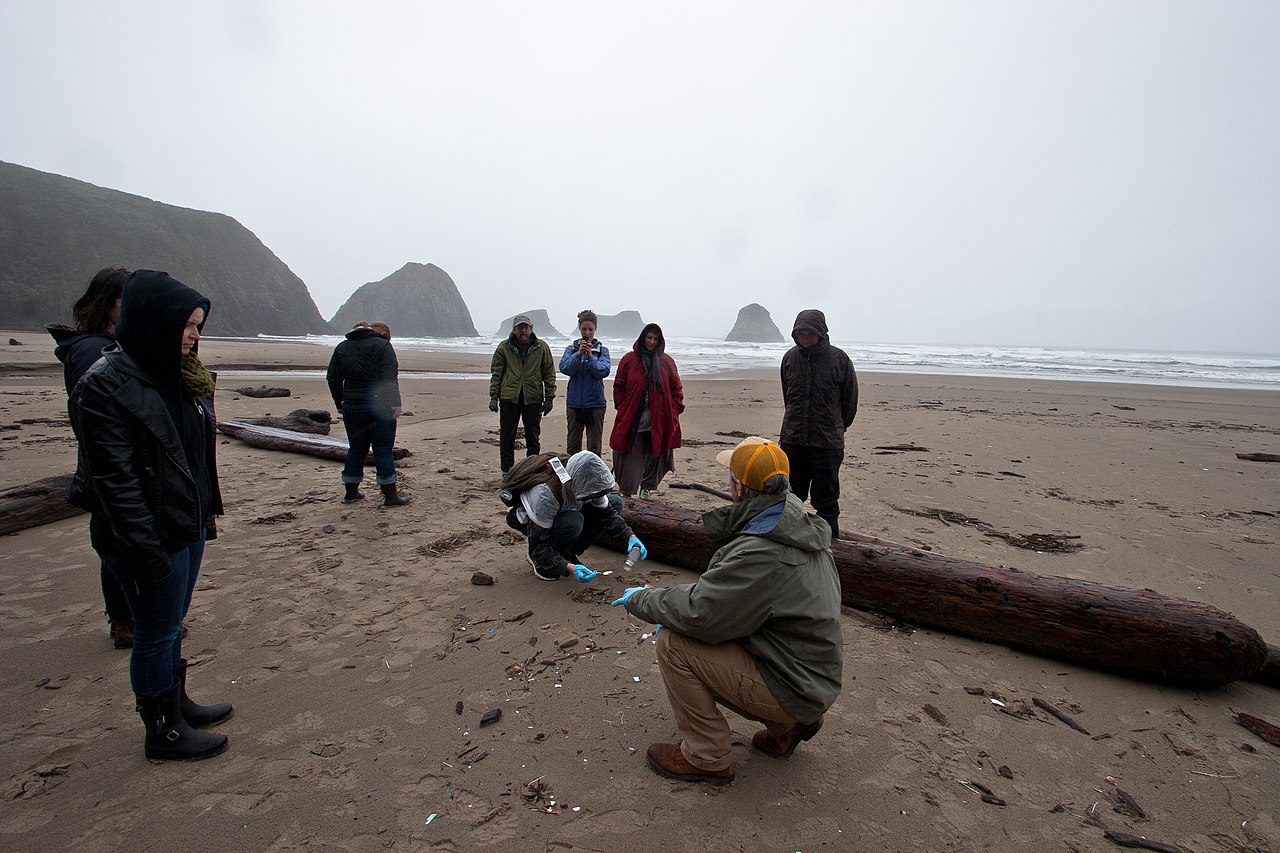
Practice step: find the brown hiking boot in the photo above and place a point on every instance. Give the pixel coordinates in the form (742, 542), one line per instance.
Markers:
(121, 633)
(666, 759)
(783, 745)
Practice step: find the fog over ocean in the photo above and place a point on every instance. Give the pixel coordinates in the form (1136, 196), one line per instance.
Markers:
(703, 356)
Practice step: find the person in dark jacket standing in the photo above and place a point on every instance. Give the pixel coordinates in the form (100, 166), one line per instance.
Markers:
(95, 314)
(820, 400)
(522, 388)
(648, 398)
(758, 632)
(363, 378)
(143, 415)
(586, 363)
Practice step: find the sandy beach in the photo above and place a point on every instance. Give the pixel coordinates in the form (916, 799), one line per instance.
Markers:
(348, 636)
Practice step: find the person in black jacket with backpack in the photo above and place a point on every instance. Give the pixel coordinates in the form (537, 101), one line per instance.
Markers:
(95, 314)
(143, 415)
(362, 378)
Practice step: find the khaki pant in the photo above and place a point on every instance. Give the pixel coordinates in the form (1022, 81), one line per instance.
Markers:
(698, 676)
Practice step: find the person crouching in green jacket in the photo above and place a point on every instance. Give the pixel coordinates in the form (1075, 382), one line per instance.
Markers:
(758, 632)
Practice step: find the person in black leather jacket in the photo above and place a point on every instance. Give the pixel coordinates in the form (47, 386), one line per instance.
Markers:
(143, 415)
(95, 314)
(363, 379)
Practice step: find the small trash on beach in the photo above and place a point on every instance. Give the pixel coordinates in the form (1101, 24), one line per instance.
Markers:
(431, 817)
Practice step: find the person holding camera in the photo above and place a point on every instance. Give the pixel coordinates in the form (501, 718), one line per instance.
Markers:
(586, 363)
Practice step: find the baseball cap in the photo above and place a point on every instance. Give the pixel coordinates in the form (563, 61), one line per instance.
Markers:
(520, 319)
(754, 461)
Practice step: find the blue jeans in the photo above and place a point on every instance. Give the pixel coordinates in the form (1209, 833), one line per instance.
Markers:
(158, 610)
(365, 427)
(818, 467)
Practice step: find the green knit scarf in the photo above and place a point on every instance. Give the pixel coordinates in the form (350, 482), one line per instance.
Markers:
(196, 380)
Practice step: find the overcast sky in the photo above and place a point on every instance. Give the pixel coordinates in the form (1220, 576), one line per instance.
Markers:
(1073, 173)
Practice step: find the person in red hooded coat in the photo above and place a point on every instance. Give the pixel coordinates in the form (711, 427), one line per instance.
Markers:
(649, 398)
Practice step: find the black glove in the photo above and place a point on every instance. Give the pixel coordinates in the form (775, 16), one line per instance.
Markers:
(546, 407)
(493, 404)
(339, 406)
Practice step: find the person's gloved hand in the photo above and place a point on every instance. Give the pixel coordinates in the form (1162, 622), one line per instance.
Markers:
(546, 407)
(634, 542)
(582, 574)
(627, 593)
(657, 630)
(493, 404)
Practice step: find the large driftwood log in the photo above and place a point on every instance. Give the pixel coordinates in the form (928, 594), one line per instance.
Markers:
(1137, 633)
(271, 438)
(36, 503)
(315, 421)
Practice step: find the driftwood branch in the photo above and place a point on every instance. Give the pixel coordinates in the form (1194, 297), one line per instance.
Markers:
(35, 503)
(317, 421)
(1138, 633)
(1259, 457)
(261, 391)
(272, 438)
(701, 488)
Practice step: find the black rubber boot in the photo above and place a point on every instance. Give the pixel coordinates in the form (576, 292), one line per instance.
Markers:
(169, 738)
(197, 715)
(391, 498)
(353, 493)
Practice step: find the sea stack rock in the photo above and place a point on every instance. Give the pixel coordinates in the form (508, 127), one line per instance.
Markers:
(541, 324)
(755, 326)
(625, 326)
(416, 301)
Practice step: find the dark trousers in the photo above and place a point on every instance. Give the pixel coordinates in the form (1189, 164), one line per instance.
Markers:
(117, 605)
(817, 468)
(590, 420)
(369, 427)
(573, 531)
(509, 416)
(158, 609)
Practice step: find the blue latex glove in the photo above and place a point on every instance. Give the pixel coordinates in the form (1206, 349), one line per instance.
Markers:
(633, 542)
(657, 631)
(627, 593)
(582, 574)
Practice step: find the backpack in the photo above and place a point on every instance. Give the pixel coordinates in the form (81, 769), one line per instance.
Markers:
(529, 472)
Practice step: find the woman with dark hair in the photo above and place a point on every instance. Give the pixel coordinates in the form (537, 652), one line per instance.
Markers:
(143, 414)
(95, 314)
(586, 363)
(649, 398)
(363, 379)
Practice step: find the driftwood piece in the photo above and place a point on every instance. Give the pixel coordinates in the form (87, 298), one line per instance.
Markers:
(701, 488)
(35, 503)
(1137, 633)
(1124, 839)
(1260, 727)
(272, 438)
(261, 391)
(1045, 706)
(1270, 672)
(316, 421)
(1259, 457)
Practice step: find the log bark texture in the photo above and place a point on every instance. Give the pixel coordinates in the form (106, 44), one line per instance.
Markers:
(272, 438)
(261, 391)
(1138, 633)
(35, 503)
(317, 421)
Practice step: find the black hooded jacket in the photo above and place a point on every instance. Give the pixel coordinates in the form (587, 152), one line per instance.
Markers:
(147, 451)
(819, 388)
(77, 350)
(363, 371)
